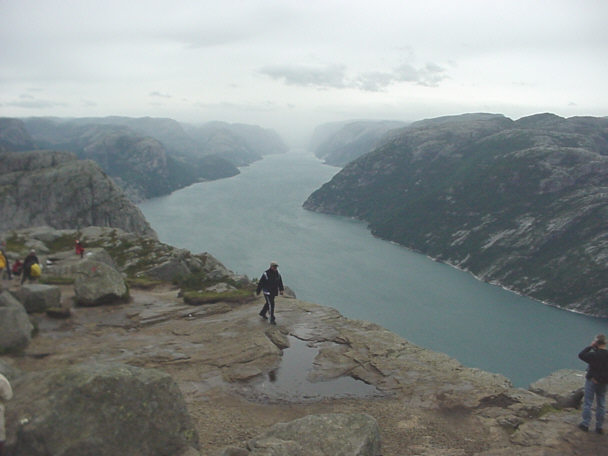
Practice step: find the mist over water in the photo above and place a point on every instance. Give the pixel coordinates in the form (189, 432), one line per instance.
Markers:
(250, 219)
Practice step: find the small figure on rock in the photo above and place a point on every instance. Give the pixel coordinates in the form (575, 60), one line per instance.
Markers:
(31, 267)
(79, 248)
(596, 381)
(271, 284)
(6, 393)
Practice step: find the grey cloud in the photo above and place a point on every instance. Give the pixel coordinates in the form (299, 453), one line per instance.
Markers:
(33, 103)
(334, 76)
(159, 94)
(330, 76)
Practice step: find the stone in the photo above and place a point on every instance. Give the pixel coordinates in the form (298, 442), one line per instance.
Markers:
(38, 297)
(97, 283)
(320, 435)
(100, 408)
(15, 326)
(566, 386)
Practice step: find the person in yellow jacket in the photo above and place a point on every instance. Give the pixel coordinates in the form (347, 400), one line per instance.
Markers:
(6, 393)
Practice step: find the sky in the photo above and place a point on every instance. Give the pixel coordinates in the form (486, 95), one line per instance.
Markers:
(291, 65)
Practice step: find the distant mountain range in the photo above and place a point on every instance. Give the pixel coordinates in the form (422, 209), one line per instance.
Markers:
(523, 204)
(147, 157)
(338, 143)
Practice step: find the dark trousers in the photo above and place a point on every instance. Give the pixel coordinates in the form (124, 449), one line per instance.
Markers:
(268, 305)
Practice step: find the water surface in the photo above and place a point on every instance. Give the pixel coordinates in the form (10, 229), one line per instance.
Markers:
(250, 219)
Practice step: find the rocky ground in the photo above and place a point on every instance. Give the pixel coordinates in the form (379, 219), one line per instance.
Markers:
(239, 376)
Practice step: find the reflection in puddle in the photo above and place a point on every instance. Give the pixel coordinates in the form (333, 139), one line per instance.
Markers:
(289, 381)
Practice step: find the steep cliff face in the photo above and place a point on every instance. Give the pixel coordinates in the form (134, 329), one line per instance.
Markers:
(523, 204)
(339, 143)
(140, 165)
(55, 189)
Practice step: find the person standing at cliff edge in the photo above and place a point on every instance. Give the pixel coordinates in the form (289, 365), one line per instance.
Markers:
(271, 284)
(596, 356)
(6, 393)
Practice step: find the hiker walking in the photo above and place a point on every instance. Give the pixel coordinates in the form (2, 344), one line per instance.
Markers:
(6, 393)
(5, 266)
(596, 356)
(30, 260)
(271, 284)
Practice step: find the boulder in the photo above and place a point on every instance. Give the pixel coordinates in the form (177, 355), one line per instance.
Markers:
(566, 386)
(38, 297)
(99, 409)
(169, 270)
(15, 326)
(320, 435)
(97, 283)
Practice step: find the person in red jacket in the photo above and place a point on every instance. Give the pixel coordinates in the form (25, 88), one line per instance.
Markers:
(79, 248)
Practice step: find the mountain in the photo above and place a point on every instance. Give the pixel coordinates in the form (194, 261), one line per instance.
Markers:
(523, 204)
(140, 164)
(239, 143)
(341, 142)
(56, 189)
(14, 135)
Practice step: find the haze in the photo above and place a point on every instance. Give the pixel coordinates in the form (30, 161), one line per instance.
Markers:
(291, 65)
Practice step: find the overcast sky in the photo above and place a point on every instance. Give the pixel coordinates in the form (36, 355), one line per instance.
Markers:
(293, 64)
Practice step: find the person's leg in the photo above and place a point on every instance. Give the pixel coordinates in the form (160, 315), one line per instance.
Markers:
(587, 403)
(265, 308)
(600, 411)
(1, 448)
(271, 300)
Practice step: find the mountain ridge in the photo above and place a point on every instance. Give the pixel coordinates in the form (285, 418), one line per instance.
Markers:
(517, 203)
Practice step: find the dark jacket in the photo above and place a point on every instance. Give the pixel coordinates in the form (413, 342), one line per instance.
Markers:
(29, 261)
(270, 282)
(597, 359)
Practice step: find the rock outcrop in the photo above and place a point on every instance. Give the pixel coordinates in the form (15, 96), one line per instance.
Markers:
(320, 435)
(38, 298)
(55, 189)
(98, 283)
(15, 326)
(101, 409)
(519, 203)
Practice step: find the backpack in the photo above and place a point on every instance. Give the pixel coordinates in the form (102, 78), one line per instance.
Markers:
(2, 261)
(35, 270)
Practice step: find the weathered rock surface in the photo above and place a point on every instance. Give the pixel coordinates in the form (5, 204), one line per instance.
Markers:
(99, 409)
(98, 283)
(38, 298)
(55, 189)
(518, 203)
(320, 435)
(15, 326)
(566, 386)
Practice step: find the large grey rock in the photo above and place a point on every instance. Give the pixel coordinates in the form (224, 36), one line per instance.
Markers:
(97, 283)
(565, 386)
(56, 189)
(37, 297)
(15, 326)
(99, 409)
(320, 435)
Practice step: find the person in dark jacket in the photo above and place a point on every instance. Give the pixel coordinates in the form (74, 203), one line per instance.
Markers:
(271, 284)
(596, 356)
(30, 260)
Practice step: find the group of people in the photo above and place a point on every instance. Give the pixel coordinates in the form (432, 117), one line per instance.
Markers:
(23, 269)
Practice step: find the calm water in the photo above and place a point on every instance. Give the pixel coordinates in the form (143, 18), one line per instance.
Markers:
(250, 219)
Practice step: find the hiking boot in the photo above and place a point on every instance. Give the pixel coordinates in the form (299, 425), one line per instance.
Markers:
(263, 315)
(599, 431)
(584, 428)
(273, 321)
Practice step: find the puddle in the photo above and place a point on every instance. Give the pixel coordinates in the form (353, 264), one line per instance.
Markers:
(289, 382)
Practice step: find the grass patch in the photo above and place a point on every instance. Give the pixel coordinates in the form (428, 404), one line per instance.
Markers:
(56, 280)
(197, 298)
(144, 283)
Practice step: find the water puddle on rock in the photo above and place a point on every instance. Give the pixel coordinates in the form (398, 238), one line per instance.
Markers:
(289, 381)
